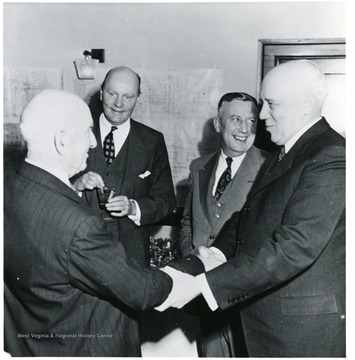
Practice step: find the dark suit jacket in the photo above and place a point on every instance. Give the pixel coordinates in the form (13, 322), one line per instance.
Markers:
(287, 253)
(197, 226)
(65, 276)
(145, 151)
(290, 261)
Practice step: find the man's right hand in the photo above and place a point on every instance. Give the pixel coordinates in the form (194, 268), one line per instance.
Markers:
(89, 181)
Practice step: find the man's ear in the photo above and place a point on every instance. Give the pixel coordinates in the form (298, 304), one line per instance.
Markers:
(309, 103)
(59, 141)
(217, 124)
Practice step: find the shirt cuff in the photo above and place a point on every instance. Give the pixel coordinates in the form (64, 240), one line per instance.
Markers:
(206, 292)
(136, 218)
(219, 252)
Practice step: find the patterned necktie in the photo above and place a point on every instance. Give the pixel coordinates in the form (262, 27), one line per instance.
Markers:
(282, 153)
(109, 146)
(225, 178)
(279, 156)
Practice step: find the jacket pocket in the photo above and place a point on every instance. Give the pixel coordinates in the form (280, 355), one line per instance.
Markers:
(309, 305)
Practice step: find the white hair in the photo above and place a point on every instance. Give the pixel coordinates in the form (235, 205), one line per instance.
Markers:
(47, 113)
(305, 75)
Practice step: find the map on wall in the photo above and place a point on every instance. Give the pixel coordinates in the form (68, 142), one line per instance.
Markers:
(20, 85)
(178, 103)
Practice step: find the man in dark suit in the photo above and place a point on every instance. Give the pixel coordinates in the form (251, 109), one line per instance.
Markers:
(286, 248)
(138, 170)
(207, 208)
(68, 283)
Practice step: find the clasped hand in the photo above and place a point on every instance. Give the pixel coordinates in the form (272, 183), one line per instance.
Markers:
(184, 289)
(210, 257)
(118, 205)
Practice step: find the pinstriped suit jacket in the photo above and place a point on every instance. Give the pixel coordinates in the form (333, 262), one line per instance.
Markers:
(68, 284)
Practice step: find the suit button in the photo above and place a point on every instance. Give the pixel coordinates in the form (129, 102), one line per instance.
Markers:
(219, 205)
(246, 208)
(217, 216)
(240, 241)
(232, 299)
(211, 237)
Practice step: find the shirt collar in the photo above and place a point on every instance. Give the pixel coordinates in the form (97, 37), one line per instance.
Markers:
(235, 158)
(105, 125)
(295, 137)
(61, 175)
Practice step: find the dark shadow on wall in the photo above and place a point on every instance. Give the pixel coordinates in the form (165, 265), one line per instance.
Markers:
(95, 105)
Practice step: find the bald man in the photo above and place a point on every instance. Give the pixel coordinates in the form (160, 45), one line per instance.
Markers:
(68, 284)
(139, 169)
(286, 248)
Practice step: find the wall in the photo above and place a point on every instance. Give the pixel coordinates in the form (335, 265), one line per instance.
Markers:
(163, 35)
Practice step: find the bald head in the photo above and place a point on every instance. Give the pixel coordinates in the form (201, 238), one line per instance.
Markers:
(300, 76)
(119, 94)
(49, 112)
(124, 70)
(54, 124)
(293, 95)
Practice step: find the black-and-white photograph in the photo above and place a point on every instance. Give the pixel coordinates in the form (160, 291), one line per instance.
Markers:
(174, 179)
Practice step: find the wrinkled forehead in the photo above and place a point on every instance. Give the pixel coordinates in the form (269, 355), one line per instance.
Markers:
(238, 107)
(123, 80)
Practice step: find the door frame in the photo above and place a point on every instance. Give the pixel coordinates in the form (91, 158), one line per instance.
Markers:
(273, 51)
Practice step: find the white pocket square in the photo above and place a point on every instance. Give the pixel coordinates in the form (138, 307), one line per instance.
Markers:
(146, 174)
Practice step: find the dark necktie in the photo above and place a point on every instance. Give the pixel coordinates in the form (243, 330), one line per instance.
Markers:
(109, 146)
(279, 156)
(225, 178)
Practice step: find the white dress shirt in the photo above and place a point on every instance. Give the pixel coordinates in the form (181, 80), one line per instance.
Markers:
(119, 137)
(201, 279)
(295, 137)
(222, 165)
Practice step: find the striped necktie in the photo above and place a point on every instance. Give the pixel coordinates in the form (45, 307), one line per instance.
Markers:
(225, 178)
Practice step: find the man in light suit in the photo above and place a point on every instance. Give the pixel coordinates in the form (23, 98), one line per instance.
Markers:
(206, 210)
(286, 248)
(140, 171)
(68, 283)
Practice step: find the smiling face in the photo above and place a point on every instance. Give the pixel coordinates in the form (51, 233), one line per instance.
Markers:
(119, 95)
(236, 122)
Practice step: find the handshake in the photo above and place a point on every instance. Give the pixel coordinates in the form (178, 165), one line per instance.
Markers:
(186, 287)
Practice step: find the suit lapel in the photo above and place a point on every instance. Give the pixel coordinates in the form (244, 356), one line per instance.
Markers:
(136, 153)
(243, 179)
(268, 176)
(207, 177)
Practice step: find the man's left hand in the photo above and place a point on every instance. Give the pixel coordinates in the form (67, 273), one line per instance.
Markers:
(121, 206)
